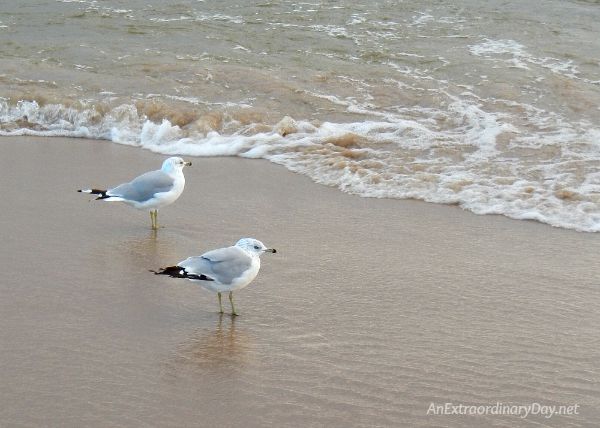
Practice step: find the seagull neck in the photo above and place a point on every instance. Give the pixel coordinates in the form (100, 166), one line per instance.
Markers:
(173, 172)
(255, 256)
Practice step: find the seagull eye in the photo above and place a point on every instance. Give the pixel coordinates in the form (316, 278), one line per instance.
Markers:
(256, 247)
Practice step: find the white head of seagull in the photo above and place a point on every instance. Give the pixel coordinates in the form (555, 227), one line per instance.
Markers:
(174, 165)
(254, 246)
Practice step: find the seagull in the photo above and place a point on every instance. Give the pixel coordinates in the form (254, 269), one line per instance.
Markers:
(149, 191)
(225, 269)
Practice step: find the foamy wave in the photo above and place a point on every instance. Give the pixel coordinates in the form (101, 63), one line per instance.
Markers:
(520, 58)
(478, 159)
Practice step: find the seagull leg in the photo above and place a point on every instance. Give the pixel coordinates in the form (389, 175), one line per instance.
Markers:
(233, 312)
(154, 218)
(220, 305)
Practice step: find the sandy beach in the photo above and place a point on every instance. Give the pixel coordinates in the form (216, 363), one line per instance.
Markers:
(371, 310)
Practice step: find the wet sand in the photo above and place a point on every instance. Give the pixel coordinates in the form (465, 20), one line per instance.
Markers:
(370, 311)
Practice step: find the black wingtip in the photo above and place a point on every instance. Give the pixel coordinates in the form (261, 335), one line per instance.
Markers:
(200, 277)
(101, 193)
(179, 272)
(172, 271)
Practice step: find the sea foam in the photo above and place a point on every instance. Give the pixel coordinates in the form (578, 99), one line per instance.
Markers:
(391, 157)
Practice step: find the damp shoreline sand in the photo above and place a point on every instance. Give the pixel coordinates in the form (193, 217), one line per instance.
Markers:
(371, 310)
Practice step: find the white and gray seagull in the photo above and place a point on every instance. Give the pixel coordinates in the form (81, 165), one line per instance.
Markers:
(149, 191)
(225, 269)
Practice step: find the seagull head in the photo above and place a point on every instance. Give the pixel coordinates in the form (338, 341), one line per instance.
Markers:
(174, 164)
(254, 246)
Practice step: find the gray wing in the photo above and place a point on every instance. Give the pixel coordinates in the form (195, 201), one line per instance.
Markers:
(223, 265)
(144, 187)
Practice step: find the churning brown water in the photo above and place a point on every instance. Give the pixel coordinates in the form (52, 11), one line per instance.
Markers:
(370, 311)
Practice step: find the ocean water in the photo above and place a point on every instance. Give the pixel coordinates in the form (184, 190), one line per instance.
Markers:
(494, 106)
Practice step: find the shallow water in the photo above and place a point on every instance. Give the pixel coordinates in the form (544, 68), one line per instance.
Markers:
(492, 106)
(370, 311)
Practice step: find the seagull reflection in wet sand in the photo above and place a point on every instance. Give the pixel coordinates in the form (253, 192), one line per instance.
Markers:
(223, 346)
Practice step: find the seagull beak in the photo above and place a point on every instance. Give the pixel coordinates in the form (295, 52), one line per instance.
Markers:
(187, 164)
(270, 250)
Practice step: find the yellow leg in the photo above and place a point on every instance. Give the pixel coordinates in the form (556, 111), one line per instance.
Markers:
(233, 312)
(220, 304)
(154, 219)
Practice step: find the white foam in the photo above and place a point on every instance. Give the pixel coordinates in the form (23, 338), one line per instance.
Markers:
(519, 57)
(356, 19)
(422, 19)
(200, 17)
(397, 157)
(332, 30)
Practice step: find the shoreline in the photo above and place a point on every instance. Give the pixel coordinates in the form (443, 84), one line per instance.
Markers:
(74, 140)
(371, 310)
